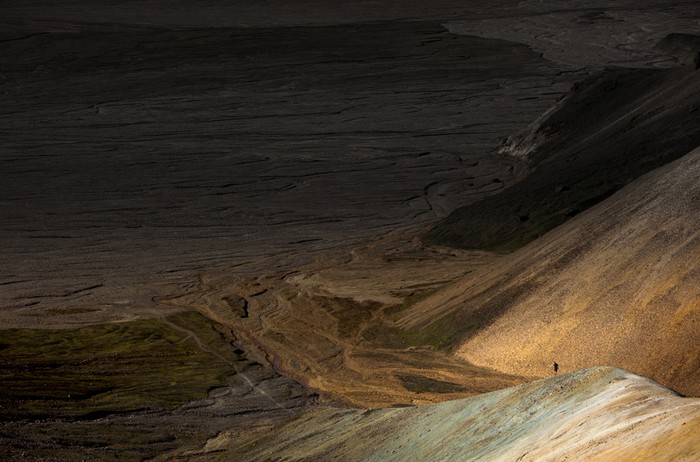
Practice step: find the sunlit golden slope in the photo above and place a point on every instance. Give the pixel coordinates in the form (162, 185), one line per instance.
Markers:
(618, 284)
(598, 414)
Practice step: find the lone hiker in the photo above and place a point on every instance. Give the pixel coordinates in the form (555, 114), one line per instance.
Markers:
(556, 368)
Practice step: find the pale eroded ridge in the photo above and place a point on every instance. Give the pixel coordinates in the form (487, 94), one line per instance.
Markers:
(596, 414)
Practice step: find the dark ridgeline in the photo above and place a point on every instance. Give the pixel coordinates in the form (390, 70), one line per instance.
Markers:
(612, 128)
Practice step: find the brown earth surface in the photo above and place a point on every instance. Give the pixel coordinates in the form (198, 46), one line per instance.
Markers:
(618, 284)
(597, 414)
(327, 324)
(169, 159)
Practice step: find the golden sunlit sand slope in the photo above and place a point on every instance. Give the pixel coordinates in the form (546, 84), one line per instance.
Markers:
(597, 414)
(618, 284)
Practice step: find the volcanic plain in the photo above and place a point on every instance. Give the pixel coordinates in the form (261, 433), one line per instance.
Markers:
(349, 231)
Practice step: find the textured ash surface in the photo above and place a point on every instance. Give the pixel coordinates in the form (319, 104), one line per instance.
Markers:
(192, 154)
(135, 157)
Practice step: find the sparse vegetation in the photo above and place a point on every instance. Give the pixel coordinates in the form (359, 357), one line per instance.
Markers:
(81, 441)
(438, 334)
(108, 368)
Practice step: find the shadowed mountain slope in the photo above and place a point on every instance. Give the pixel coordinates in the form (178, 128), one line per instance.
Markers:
(618, 284)
(594, 414)
(684, 47)
(609, 130)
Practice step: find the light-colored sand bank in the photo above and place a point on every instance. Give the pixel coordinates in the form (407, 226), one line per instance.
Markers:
(595, 414)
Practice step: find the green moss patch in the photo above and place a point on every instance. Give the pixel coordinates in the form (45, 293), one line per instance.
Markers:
(437, 334)
(108, 368)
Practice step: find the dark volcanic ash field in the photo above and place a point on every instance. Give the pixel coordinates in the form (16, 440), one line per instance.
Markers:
(217, 209)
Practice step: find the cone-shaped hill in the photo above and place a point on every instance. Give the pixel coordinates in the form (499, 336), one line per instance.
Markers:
(619, 284)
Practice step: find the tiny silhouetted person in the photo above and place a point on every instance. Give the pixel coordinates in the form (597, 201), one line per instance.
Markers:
(556, 368)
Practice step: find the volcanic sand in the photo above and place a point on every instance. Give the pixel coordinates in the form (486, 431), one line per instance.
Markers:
(135, 158)
(139, 162)
(617, 285)
(595, 414)
(132, 236)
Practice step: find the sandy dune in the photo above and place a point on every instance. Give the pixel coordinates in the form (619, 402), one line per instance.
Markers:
(618, 284)
(596, 414)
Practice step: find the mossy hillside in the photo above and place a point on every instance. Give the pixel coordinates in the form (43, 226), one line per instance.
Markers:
(437, 335)
(108, 368)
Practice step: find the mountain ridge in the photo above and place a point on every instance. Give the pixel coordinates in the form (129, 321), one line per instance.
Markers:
(600, 413)
(617, 284)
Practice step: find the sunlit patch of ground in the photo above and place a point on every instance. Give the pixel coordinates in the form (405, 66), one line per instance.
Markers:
(594, 414)
(330, 324)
